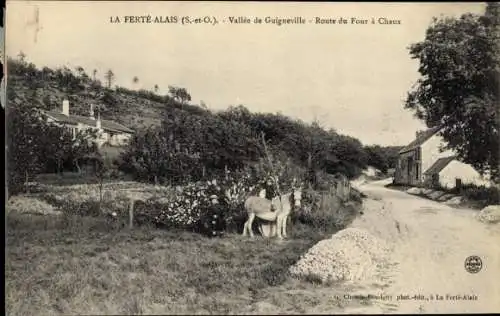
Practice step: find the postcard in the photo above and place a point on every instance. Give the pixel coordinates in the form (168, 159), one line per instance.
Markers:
(193, 157)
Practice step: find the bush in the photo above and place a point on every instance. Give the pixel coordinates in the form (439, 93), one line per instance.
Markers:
(275, 274)
(323, 211)
(78, 203)
(486, 195)
(29, 205)
(190, 203)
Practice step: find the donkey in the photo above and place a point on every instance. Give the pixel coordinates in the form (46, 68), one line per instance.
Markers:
(261, 207)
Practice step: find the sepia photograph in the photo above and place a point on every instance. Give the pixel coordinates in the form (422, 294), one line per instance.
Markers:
(230, 157)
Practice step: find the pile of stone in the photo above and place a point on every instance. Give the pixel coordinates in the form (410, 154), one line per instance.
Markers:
(352, 254)
(489, 214)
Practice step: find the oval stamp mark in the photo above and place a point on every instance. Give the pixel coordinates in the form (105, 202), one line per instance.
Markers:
(473, 264)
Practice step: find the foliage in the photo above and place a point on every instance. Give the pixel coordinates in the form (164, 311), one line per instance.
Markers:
(85, 200)
(179, 94)
(189, 148)
(307, 145)
(478, 194)
(23, 149)
(210, 144)
(486, 195)
(29, 205)
(188, 206)
(108, 98)
(323, 211)
(33, 145)
(459, 88)
(152, 157)
(382, 158)
(110, 77)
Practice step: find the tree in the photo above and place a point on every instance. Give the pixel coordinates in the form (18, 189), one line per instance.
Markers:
(153, 156)
(81, 73)
(377, 158)
(82, 147)
(382, 158)
(24, 128)
(179, 94)
(56, 145)
(459, 89)
(156, 88)
(135, 80)
(68, 81)
(110, 77)
(22, 57)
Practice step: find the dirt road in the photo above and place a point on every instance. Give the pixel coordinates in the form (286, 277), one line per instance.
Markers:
(429, 244)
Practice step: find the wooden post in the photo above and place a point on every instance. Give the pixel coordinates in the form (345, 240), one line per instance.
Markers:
(26, 182)
(131, 214)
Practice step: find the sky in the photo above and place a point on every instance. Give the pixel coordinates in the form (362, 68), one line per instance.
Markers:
(350, 77)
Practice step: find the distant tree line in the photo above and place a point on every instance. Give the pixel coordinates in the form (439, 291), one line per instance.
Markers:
(383, 158)
(205, 144)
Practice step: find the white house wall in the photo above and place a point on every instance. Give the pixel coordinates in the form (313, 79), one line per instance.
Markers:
(431, 153)
(113, 138)
(466, 173)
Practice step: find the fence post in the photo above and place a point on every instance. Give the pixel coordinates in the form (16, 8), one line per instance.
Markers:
(26, 182)
(131, 214)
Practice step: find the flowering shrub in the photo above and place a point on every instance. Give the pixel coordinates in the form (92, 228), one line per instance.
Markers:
(188, 206)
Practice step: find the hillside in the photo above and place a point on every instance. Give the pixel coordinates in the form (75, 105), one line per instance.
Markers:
(46, 89)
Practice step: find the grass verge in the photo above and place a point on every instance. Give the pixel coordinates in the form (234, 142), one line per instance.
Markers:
(80, 265)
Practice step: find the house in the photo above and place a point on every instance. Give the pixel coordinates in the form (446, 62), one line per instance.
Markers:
(108, 132)
(426, 162)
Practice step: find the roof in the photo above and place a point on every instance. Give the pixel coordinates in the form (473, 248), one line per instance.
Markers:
(422, 138)
(75, 119)
(439, 165)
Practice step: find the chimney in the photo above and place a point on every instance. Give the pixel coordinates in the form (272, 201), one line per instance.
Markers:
(98, 123)
(65, 107)
(91, 114)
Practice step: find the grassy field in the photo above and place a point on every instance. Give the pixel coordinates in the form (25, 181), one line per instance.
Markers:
(80, 265)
